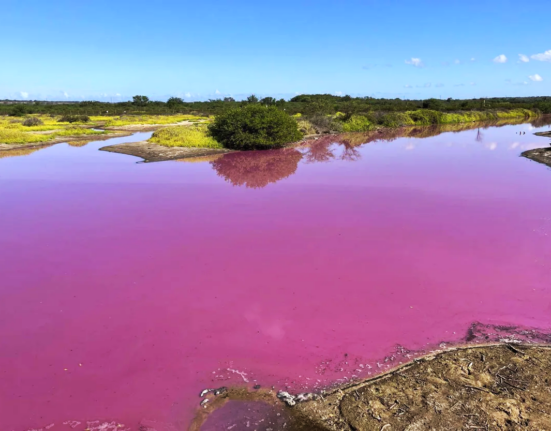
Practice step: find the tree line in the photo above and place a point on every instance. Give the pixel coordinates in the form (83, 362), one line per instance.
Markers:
(307, 104)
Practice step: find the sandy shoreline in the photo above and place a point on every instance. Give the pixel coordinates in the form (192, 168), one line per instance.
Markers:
(151, 152)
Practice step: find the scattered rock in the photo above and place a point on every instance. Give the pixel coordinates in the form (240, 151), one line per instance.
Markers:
(287, 398)
(205, 392)
(220, 391)
(204, 402)
(256, 387)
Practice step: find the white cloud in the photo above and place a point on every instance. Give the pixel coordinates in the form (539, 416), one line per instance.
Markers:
(473, 83)
(24, 94)
(491, 146)
(546, 56)
(439, 85)
(338, 93)
(408, 86)
(65, 94)
(217, 92)
(417, 62)
(536, 78)
(500, 59)
(457, 61)
(118, 95)
(473, 59)
(523, 58)
(188, 95)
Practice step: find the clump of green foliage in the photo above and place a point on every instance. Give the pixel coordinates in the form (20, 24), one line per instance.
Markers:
(357, 123)
(184, 136)
(74, 119)
(18, 111)
(33, 121)
(306, 127)
(254, 126)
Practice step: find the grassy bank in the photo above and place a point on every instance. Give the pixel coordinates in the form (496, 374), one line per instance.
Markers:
(184, 136)
(422, 117)
(45, 128)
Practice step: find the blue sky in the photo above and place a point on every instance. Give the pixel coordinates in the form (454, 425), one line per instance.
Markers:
(111, 50)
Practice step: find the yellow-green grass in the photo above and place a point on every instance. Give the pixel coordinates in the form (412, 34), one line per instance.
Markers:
(12, 130)
(184, 136)
(127, 120)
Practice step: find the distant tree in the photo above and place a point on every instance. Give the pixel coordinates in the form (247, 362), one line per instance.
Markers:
(346, 98)
(140, 100)
(174, 101)
(434, 104)
(268, 101)
(252, 99)
(18, 111)
(229, 99)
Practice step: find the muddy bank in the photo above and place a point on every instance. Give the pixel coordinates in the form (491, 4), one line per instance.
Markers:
(151, 152)
(503, 386)
(540, 155)
(62, 139)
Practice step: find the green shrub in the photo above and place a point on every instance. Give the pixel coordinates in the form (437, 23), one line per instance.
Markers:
(425, 117)
(254, 127)
(33, 121)
(18, 111)
(357, 123)
(306, 128)
(74, 119)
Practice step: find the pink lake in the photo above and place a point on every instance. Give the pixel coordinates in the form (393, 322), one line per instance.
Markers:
(127, 288)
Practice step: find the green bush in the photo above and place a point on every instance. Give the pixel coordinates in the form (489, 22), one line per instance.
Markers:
(254, 127)
(357, 123)
(18, 111)
(33, 121)
(425, 117)
(74, 119)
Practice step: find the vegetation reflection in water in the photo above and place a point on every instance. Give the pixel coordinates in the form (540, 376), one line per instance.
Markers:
(258, 169)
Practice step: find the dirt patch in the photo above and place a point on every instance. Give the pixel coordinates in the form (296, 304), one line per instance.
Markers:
(151, 152)
(541, 155)
(497, 387)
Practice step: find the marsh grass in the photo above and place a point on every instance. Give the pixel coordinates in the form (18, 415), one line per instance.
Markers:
(44, 128)
(127, 120)
(184, 136)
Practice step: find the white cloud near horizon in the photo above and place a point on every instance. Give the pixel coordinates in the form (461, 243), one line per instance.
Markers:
(536, 78)
(500, 59)
(545, 56)
(417, 62)
(24, 94)
(523, 58)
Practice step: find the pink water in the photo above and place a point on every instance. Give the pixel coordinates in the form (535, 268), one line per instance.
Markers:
(127, 288)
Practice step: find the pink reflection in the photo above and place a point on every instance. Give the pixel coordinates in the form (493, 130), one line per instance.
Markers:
(128, 288)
